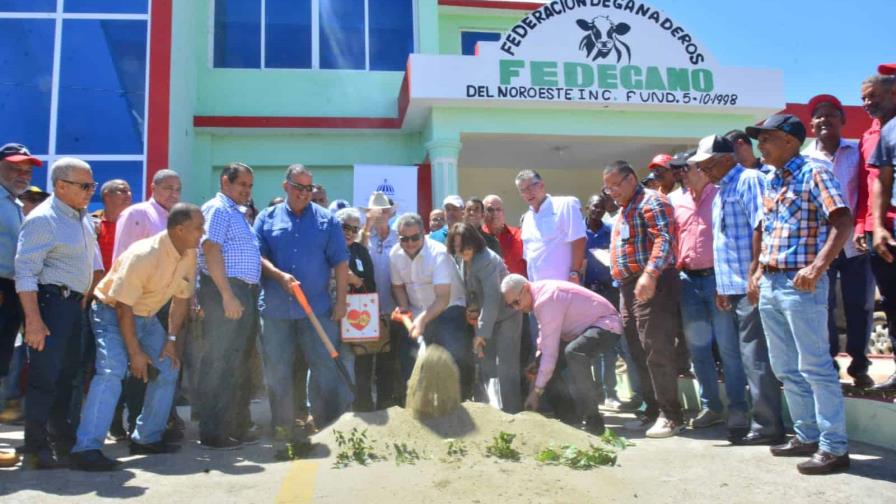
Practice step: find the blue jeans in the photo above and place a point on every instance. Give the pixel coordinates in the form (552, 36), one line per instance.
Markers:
(795, 324)
(111, 366)
(281, 340)
(703, 322)
(857, 288)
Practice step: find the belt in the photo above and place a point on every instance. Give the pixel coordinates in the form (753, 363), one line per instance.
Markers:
(62, 290)
(774, 269)
(700, 272)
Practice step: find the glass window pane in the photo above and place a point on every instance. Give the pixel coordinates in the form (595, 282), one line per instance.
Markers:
(342, 34)
(28, 5)
(101, 105)
(104, 171)
(391, 33)
(106, 6)
(26, 57)
(238, 33)
(287, 34)
(468, 40)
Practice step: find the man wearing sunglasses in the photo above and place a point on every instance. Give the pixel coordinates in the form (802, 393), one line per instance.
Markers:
(56, 258)
(426, 282)
(301, 241)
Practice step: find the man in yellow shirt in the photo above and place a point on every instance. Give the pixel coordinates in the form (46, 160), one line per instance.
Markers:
(142, 280)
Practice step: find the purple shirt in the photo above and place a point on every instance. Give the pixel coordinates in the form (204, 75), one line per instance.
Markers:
(564, 311)
(138, 222)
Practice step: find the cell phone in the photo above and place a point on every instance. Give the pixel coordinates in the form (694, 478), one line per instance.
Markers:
(152, 372)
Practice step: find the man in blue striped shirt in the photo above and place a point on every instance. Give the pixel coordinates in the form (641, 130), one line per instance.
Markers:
(228, 293)
(736, 211)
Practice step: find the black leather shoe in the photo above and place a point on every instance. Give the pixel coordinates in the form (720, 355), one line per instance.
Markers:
(794, 448)
(92, 460)
(42, 459)
(249, 438)
(154, 448)
(594, 424)
(889, 384)
(173, 436)
(862, 381)
(823, 462)
(220, 443)
(754, 438)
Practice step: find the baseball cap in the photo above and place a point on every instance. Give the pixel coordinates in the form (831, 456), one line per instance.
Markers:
(826, 98)
(710, 146)
(787, 123)
(453, 200)
(649, 178)
(16, 153)
(887, 69)
(680, 160)
(659, 161)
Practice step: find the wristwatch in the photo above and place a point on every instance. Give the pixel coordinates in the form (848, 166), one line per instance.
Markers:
(172, 337)
(539, 391)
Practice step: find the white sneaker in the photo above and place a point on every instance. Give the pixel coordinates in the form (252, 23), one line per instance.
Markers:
(706, 418)
(664, 428)
(638, 424)
(612, 404)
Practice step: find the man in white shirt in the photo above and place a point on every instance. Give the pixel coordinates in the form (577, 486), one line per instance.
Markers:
(852, 264)
(425, 281)
(553, 231)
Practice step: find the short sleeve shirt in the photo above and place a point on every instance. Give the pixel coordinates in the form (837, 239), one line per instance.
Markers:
(226, 225)
(431, 266)
(885, 153)
(548, 235)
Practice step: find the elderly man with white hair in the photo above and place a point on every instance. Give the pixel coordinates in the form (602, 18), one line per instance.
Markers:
(56, 256)
(576, 321)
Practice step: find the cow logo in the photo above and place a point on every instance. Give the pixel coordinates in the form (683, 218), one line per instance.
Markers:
(603, 37)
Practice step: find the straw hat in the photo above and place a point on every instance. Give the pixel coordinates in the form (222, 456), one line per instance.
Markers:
(378, 201)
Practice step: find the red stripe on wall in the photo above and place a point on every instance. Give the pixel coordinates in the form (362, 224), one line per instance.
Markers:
(424, 192)
(159, 89)
(492, 4)
(297, 122)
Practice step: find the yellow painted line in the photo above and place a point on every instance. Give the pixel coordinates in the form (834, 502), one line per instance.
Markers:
(298, 487)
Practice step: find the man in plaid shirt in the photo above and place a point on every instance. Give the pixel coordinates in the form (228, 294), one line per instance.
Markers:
(642, 260)
(736, 212)
(805, 224)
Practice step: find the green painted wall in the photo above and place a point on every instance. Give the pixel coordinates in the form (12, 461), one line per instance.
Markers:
(181, 137)
(453, 20)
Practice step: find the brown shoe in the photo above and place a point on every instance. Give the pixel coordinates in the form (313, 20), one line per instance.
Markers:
(823, 462)
(794, 448)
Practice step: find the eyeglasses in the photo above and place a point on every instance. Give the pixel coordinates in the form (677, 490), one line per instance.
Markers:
(350, 228)
(300, 187)
(410, 238)
(84, 186)
(494, 210)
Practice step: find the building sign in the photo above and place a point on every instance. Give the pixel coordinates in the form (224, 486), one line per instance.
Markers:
(605, 53)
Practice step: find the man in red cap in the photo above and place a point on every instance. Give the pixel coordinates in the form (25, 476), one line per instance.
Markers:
(853, 266)
(663, 173)
(887, 69)
(16, 164)
(879, 101)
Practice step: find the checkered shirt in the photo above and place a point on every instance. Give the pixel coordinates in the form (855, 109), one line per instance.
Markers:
(651, 236)
(226, 225)
(736, 211)
(798, 200)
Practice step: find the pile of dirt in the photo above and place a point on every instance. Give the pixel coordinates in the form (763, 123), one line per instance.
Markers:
(475, 424)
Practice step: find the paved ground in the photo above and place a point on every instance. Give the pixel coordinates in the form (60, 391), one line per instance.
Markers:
(698, 467)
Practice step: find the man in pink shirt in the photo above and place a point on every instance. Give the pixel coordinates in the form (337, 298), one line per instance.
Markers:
(702, 318)
(571, 314)
(149, 217)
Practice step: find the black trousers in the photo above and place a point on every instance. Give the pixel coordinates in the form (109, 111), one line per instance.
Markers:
(10, 322)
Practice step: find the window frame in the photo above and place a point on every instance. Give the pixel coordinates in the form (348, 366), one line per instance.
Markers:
(315, 40)
(460, 35)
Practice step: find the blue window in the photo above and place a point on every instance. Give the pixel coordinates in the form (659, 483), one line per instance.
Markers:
(391, 28)
(287, 34)
(468, 40)
(106, 6)
(342, 34)
(101, 104)
(28, 5)
(26, 57)
(238, 33)
(104, 171)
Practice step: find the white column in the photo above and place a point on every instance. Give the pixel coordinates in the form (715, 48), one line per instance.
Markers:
(443, 155)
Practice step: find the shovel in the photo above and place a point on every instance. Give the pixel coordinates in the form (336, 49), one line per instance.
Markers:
(303, 301)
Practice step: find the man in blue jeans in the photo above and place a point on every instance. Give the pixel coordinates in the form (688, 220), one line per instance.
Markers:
(805, 224)
(142, 280)
(301, 241)
(737, 210)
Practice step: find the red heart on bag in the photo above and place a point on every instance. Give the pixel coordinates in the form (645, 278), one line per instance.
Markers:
(359, 319)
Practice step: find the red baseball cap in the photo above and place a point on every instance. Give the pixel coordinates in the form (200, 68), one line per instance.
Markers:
(16, 153)
(887, 69)
(660, 160)
(826, 98)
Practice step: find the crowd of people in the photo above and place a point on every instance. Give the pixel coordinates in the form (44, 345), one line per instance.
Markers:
(719, 263)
